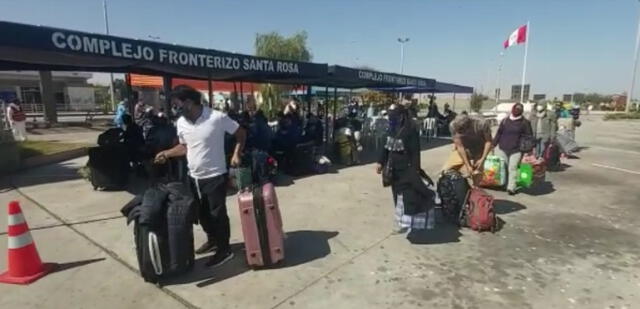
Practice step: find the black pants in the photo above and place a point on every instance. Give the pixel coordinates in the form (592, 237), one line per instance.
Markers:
(211, 194)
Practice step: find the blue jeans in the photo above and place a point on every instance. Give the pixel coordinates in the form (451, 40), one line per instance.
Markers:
(512, 161)
(540, 146)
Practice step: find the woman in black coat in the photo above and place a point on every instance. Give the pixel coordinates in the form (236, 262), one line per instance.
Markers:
(412, 197)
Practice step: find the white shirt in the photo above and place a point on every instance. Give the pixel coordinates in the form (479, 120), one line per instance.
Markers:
(204, 140)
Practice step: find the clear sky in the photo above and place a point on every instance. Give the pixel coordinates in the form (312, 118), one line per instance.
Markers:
(575, 45)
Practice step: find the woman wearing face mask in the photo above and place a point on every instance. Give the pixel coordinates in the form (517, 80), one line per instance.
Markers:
(544, 125)
(507, 142)
(412, 198)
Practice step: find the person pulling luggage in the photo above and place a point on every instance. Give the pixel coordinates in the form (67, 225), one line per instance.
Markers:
(544, 126)
(399, 164)
(201, 132)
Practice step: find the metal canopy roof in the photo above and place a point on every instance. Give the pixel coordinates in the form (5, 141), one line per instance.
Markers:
(28, 47)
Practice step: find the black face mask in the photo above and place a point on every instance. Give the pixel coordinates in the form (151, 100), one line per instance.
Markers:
(178, 111)
(395, 117)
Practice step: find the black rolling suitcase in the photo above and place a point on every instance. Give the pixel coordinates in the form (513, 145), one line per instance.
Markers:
(163, 231)
(109, 167)
(303, 159)
(180, 219)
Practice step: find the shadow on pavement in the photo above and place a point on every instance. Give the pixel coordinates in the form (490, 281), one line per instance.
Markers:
(559, 168)
(503, 207)
(305, 246)
(442, 234)
(300, 246)
(209, 275)
(57, 172)
(538, 189)
(65, 266)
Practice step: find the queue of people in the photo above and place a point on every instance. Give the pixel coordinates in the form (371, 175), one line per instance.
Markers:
(413, 193)
(213, 142)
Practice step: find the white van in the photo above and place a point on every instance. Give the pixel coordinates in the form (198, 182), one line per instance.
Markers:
(503, 110)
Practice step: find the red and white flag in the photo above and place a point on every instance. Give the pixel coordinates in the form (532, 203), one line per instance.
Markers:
(518, 36)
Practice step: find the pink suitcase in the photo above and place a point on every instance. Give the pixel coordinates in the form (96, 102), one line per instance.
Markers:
(261, 226)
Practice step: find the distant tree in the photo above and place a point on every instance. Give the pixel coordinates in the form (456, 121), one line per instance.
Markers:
(579, 98)
(102, 97)
(119, 89)
(476, 101)
(377, 98)
(274, 45)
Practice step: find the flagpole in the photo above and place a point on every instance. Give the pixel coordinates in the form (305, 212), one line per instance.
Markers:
(524, 67)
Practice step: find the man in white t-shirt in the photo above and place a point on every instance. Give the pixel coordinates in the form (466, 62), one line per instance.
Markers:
(201, 132)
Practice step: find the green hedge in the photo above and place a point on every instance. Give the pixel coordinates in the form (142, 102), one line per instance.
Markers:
(621, 116)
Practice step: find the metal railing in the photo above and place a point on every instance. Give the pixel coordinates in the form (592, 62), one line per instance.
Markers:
(31, 108)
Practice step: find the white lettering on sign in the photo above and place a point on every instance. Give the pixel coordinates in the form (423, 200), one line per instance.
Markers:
(139, 51)
(104, 45)
(90, 45)
(74, 42)
(126, 50)
(58, 40)
(391, 79)
(147, 53)
(173, 57)
(114, 49)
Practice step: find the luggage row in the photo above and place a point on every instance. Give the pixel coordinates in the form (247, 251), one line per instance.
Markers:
(164, 215)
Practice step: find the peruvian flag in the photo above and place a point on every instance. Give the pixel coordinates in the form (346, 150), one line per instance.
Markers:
(518, 36)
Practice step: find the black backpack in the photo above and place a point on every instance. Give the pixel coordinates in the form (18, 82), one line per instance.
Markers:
(110, 137)
(452, 189)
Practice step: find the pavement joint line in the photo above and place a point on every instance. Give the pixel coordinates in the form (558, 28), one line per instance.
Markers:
(341, 244)
(615, 149)
(616, 168)
(312, 283)
(44, 227)
(110, 253)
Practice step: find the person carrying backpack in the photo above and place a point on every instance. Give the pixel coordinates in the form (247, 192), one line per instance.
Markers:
(17, 120)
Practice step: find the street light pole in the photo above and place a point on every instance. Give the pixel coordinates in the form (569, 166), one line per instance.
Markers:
(635, 68)
(106, 26)
(402, 41)
(497, 90)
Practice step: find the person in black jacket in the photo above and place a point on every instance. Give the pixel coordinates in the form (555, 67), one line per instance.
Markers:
(133, 139)
(411, 196)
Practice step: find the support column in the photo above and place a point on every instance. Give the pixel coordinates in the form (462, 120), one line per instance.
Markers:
(335, 107)
(326, 116)
(46, 94)
(166, 88)
(210, 92)
(308, 99)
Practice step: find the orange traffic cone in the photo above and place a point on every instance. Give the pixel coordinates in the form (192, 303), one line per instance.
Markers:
(23, 259)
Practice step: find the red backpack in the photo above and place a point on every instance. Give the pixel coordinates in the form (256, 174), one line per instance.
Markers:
(479, 214)
(17, 114)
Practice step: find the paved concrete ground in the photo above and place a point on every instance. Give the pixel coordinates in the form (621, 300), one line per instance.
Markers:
(76, 135)
(571, 243)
